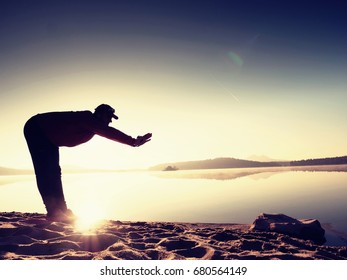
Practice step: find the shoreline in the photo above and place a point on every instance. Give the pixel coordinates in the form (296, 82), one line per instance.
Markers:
(29, 236)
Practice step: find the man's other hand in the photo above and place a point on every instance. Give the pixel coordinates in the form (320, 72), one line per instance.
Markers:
(140, 140)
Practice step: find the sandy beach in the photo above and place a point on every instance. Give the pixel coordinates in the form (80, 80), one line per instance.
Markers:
(29, 236)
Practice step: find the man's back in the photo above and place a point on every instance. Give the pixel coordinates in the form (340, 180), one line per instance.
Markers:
(68, 128)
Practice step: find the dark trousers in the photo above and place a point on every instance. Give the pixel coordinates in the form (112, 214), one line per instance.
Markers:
(45, 158)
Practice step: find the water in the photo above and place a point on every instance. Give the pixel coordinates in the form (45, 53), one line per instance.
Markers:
(207, 196)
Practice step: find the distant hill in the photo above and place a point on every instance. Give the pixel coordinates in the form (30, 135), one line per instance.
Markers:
(66, 169)
(13, 171)
(240, 163)
(217, 163)
(261, 158)
(320, 161)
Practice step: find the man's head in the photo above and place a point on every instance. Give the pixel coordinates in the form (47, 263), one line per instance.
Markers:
(105, 113)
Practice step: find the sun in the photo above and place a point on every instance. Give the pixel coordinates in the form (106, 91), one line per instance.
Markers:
(89, 220)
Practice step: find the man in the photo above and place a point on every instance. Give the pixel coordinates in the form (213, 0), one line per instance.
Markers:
(46, 132)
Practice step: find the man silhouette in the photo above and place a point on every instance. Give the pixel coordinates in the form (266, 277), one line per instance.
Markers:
(46, 132)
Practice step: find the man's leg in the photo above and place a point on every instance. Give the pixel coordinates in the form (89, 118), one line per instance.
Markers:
(48, 178)
(45, 157)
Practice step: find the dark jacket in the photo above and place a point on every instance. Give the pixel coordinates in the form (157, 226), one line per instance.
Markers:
(74, 128)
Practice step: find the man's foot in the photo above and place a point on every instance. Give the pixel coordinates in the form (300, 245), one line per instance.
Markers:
(58, 215)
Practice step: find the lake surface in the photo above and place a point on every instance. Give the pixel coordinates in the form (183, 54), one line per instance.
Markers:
(206, 196)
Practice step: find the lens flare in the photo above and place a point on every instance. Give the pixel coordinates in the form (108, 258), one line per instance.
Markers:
(235, 58)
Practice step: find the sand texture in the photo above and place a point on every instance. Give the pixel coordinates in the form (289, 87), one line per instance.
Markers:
(31, 236)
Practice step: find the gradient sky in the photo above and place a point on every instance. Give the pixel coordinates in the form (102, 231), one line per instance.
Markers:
(207, 78)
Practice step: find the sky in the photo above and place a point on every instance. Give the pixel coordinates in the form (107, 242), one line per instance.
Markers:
(208, 78)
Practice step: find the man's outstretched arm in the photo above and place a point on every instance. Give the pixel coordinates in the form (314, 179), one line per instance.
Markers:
(119, 136)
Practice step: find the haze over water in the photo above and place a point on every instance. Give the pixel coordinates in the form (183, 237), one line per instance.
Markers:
(187, 196)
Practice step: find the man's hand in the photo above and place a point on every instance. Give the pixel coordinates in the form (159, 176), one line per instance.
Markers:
(140, 140)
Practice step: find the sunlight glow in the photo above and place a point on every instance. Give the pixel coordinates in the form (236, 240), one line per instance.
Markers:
(89, 219)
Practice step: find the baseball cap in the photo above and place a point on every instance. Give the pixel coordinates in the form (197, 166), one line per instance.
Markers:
(104, 108)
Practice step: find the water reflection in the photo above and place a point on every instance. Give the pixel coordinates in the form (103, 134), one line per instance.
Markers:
(210, 196)
(234, 173)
